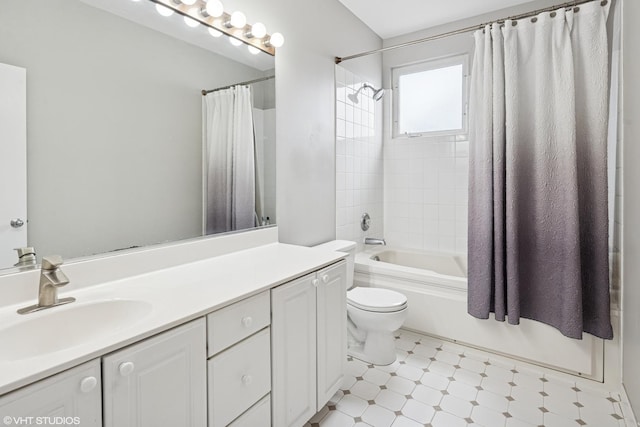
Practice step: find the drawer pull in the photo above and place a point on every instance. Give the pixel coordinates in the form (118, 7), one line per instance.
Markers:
(247, 321)
(126, 368)
(325, 278)
(315, 282)
(87, 384)
(247, 379)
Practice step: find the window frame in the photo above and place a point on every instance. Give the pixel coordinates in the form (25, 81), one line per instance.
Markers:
(428, 65)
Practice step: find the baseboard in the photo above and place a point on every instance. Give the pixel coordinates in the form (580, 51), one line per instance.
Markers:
(627, 410)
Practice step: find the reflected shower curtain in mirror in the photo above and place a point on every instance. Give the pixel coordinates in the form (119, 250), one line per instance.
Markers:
(538, 219)
(230, 160)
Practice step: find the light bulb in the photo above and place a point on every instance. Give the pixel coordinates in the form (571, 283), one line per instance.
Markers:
(190, 21)
(258, 30)
(163, 10)
(214, 8)
(238, 19)
(214, 32)
(135, 1)
(276, 40)
(188, 2)
(253, 50)
(234, 42)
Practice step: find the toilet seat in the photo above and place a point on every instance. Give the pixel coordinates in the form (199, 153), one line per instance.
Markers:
(376, 299)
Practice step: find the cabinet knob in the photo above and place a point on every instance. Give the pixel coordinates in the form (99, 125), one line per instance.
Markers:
(87, 384)
(247, 321)
(247, 379)
(126, 368)
(325, 278)
(315, 282)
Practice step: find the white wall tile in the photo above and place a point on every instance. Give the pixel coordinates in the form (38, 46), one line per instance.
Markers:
(435, 172)
(359, 178)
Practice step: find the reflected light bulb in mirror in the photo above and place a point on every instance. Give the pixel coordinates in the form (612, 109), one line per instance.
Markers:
(214, 33)
(253, 50)
(238, 20)
(234, 42)
(214, 8)
(258, 30)
(190, 21)
(188, 2)
(163, 10)
(276, 40)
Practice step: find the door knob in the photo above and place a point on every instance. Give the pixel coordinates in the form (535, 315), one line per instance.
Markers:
(247, 321)
(16, 223)
(247, 379)
(315, 282)
(126, 368)
(87, 384)
(325, 278)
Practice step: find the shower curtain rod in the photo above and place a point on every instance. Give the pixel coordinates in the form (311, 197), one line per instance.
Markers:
(262, 79)
(569, 4)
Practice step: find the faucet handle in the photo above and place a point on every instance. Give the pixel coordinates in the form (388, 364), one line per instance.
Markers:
(51, 262)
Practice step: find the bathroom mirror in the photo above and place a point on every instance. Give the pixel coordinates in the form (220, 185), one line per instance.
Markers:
(114, 121)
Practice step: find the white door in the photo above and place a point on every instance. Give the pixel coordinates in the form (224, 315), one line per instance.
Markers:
(332, 330)
(293, 352)
(13, 162)
(158, 382)
(75, 393)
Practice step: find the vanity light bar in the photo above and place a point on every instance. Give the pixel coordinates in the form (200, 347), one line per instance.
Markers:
(267, 43)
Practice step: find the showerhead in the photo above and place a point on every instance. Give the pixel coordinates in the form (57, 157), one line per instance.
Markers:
(377, 93)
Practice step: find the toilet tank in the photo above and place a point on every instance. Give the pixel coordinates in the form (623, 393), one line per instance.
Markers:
(348, 247)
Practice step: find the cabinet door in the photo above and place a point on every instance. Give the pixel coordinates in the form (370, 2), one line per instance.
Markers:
(158, 382)
(332, 330)
(293, 350)
(75, 393)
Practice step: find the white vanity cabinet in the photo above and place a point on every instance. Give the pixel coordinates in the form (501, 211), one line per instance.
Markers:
(309, 326)
(239, 371)
(75, 393)
(160, 381)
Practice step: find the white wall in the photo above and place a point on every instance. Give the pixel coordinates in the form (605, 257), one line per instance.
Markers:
(631, 209)
(315, 32)
(114, 126)
(359, 166)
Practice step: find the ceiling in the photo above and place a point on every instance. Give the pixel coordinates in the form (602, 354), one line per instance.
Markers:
(390, 19)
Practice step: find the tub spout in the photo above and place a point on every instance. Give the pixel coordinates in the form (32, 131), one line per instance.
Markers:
(374, 241)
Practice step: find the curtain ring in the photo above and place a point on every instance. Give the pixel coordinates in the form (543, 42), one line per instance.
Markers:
(514, 23)
(534, 19)
(603, 3)
(553, 14)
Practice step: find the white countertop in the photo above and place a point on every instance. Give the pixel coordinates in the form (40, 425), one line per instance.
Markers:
(177, 294)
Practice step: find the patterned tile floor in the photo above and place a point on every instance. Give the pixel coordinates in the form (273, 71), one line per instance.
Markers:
(440, 384)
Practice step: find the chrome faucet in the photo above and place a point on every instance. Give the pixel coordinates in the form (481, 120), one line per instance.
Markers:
(51, 278)
(374, 241)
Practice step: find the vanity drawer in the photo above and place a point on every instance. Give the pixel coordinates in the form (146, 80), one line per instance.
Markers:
(231, 324)
(238, 378)
(258, 416)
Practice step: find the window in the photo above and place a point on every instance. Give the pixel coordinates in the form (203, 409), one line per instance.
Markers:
(430, 97)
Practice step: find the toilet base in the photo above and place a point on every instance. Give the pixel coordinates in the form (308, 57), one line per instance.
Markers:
(378, 349)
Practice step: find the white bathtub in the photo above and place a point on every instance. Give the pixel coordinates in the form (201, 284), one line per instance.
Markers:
(436, 288)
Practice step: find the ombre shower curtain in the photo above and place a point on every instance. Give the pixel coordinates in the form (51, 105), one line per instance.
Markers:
(230, 160)
(538, 219)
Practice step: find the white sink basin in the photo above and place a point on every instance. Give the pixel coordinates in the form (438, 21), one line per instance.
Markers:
(60, 328)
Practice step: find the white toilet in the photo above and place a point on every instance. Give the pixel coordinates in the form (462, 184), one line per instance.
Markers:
(373, 314)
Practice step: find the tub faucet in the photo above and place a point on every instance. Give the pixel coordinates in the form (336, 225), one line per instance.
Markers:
(374, 241)
(51, 278)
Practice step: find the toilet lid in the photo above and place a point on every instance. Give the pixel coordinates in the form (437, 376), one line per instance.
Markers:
(376, 299)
